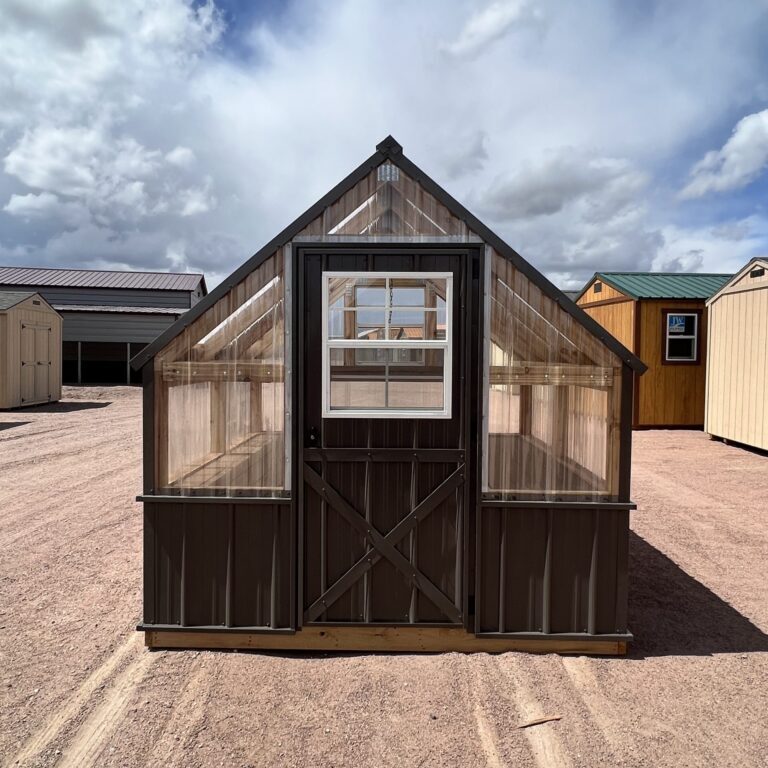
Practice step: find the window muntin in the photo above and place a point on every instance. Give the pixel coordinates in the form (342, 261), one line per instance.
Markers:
(387, 345)
(681, 344)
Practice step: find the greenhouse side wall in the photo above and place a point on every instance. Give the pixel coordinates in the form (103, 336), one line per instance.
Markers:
(219, 565)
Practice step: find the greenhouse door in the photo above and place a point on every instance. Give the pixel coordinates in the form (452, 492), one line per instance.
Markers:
(382, 436)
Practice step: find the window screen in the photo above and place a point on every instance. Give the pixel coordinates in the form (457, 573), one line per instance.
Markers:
(682, 332)
(386, 350)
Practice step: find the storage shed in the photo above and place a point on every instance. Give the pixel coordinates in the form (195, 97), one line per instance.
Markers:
(30, 350)
(662, 318)
(109, 315)
(387, 431)
(737, 373)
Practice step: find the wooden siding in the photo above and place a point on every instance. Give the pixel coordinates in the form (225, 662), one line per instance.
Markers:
(670, 394)
(737, 392)
(27, 313)
(608, 292)
(618, 318)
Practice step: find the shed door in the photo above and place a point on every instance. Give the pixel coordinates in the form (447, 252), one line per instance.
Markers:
(35, 363)
(382, 436)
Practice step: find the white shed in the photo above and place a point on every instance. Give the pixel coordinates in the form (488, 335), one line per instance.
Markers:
(30, 350)
(737, 371)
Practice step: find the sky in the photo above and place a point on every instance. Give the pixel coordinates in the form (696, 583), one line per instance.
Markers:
(180, 135)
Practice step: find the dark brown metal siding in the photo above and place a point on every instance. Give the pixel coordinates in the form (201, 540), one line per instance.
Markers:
(552, 571)
(218, 564)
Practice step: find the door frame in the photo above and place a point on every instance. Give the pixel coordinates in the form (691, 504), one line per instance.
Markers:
(469, 297)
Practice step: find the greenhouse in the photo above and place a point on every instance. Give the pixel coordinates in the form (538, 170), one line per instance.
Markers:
(387, 431)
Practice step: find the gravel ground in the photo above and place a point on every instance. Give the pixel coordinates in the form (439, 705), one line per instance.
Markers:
(79, 689)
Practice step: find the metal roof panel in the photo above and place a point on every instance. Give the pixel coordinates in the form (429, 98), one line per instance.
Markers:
(665, 285)
(94, 278)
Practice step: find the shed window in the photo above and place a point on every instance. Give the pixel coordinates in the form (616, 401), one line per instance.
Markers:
(682, 337)
(387, 344)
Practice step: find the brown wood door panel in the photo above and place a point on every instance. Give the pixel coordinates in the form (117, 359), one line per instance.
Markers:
(382, 500)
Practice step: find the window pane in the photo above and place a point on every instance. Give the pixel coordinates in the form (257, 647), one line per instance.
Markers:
(356, 324)
(681, 325)
(406, 324)
(407, 293)
(370, 292)
(377, 379)
(356, 383)
(417, 386)
(370, 324)
(681, 349)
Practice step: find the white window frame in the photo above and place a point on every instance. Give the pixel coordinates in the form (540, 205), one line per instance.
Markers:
(446, 345)
(694, 336)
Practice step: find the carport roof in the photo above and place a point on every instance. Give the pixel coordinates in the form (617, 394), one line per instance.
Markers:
(95, 278)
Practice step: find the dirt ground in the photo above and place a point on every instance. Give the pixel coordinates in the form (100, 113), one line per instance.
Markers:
(79, 689)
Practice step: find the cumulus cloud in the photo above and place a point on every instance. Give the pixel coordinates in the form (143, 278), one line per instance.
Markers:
(560, 178)
(738, 163)
(150, 136)
(489, 24)
(183, 157)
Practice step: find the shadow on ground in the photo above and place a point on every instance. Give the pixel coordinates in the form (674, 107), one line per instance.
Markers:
(68, 407)
(11, 424)
(670, 613)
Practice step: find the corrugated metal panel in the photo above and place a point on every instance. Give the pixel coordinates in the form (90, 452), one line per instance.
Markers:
(97, 326)
(665, 285)
(176, 311)
(112, 297)
(89, 278)
(10, 299)
(218, 564)
(552, 571)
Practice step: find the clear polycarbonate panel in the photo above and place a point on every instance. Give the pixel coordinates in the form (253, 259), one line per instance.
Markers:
(220, 395)
(388, 204)
(552, 399)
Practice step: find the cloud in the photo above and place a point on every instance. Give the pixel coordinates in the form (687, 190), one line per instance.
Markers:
(560, 178)
(738, 163)
(67, 23)
(46, 206)
(466, 157)
(489, 24)
(710, 249)
(183, 157)
(149, 136)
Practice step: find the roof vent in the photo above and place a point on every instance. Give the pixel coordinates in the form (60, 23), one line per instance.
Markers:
(757, 272)
(388, 172)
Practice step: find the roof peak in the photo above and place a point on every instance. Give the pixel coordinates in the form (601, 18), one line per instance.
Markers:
(390, 146)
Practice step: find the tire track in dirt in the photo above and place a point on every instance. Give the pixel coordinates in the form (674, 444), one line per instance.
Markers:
(72, 708)
(488, 738)
(582, 677)
(90, 739)
(543, 741)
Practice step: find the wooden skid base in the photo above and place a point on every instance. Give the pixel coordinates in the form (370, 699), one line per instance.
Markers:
(379, 640)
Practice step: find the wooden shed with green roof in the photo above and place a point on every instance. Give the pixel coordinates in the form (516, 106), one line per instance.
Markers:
(662, 318)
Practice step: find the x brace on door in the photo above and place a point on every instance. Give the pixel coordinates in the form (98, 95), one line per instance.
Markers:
(384, 546)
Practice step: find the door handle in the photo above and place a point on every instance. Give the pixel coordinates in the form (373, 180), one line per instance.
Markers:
(314, 436)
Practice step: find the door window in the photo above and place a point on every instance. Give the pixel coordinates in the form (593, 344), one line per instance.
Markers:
(387, 344)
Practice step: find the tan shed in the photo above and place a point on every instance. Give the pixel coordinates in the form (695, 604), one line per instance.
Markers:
(30, 350)
(662, 318)
(737, 374)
